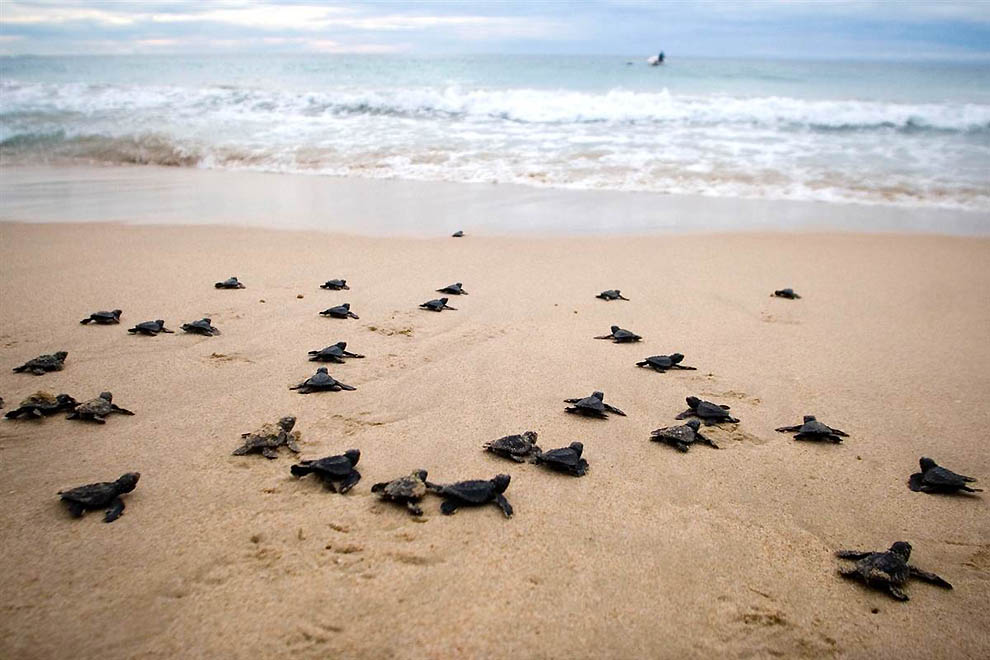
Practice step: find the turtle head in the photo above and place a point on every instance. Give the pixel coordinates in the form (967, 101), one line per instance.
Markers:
(444, 300)
(61, 355)
(598, 395)
(346, 305)
(501, 482)
(420, 474)
(809, 418)
(353, 455)
(902, 549)
(117, 312)
(341, 345)
(577, 447)
(127, 482)
(65, 400)
(693, 401)
(927, 464)
(322, 370)
(531, 436)
(675, 357)
(694, 424)
(106, 396)
(207, 320)
(286, 423)
(615, 329)
(160, 322)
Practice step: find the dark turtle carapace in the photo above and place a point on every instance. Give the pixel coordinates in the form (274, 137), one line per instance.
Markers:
(454, 289)
(41, 404)
(457, 234)
(709, 413)
(611, 294)
(269, 438)
(335, 285)
(519, 447)
(105, 494)
(408, 490)
(229, 283)
(620, 335)
(591, 406)
(786, 293)
(321, 381)
(812, 429)
(204, 326)
(682, 437)
(333, 353)
(150, 328)
(43, 363)
(934, 478)
(340, 312)
(476, 492)
(888, 570)
(565, 459)
(96, 410)
(332, 469)
(437, 305)
(663, 363)
(103, 318)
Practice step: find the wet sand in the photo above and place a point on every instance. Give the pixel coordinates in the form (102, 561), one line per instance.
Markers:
(654, 553)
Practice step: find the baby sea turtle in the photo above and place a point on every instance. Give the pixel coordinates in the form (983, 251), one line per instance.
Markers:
(934, 478)
(43, 363)
(566, 459)
(230, 283)
(269, 438)
(100, 495)
(592, 406)
(474, 493)
(786, 293)
(453, 289)
(517, 447)
(335, 285)
(96, 410)
(333, 353)
(620, 336)
(682, 437)
(103, 318)
(340, 312)
(408, 490)
(332, 468)
(437, 305)
(321, 381)
(707, 412)
(812, 429)
(201, 327)
(457, 234)
(888, 570)
(663, 363)
(611, 294)
(41, 404)
(150, 328)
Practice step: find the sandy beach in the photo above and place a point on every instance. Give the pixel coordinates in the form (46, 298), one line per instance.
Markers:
(654, 553)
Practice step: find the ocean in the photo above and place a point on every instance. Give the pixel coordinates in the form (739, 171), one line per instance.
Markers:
(892, 133)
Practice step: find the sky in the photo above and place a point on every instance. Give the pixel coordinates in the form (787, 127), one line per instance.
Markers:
(752, 28)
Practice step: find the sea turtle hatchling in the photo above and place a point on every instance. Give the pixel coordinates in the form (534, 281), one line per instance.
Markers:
(477, 492)
(786, 293)
(204, 326)
(682, 437)
(103, 318)
(437, 305)
(335, 285)
(708, 412)
(41, 404)
(620, 336)
(331, 469)
(457, 234)
(340, 312)
(43, 363)
(664, 363)
(888, 570)
(611, 294)
(934, 478)
(516, 447)
(150, 328)
(566, 459)
(229, 283)
(321, 381)
(591, 406)
(812, 429)
(454, 289)
(333, 353)
(99, 495)
(269, 438)
(96, 410)
(408, 490)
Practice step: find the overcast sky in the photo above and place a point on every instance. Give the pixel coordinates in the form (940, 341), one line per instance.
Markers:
(784, 28)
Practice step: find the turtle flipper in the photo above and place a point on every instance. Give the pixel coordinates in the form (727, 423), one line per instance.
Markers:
(968, 489)
(353, 315)
(115, 511)
(346, 387)
(622, 297)
(788, 429)
(928, 577)
(269, 452)
(682, 367)
(300, 470)
(291, 443)
(448, 508)
(349, 481)
(75, 508)
(687, 413)
(503, 504)
(914, 481)
(379, 487)
(413, 508)
(708, 441)
(613, 409)
(604, 337)
(86, 321)
(852, 554)
(118, 409)
(896, 592)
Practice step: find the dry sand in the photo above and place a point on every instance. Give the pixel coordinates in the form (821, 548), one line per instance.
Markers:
(654, 554)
